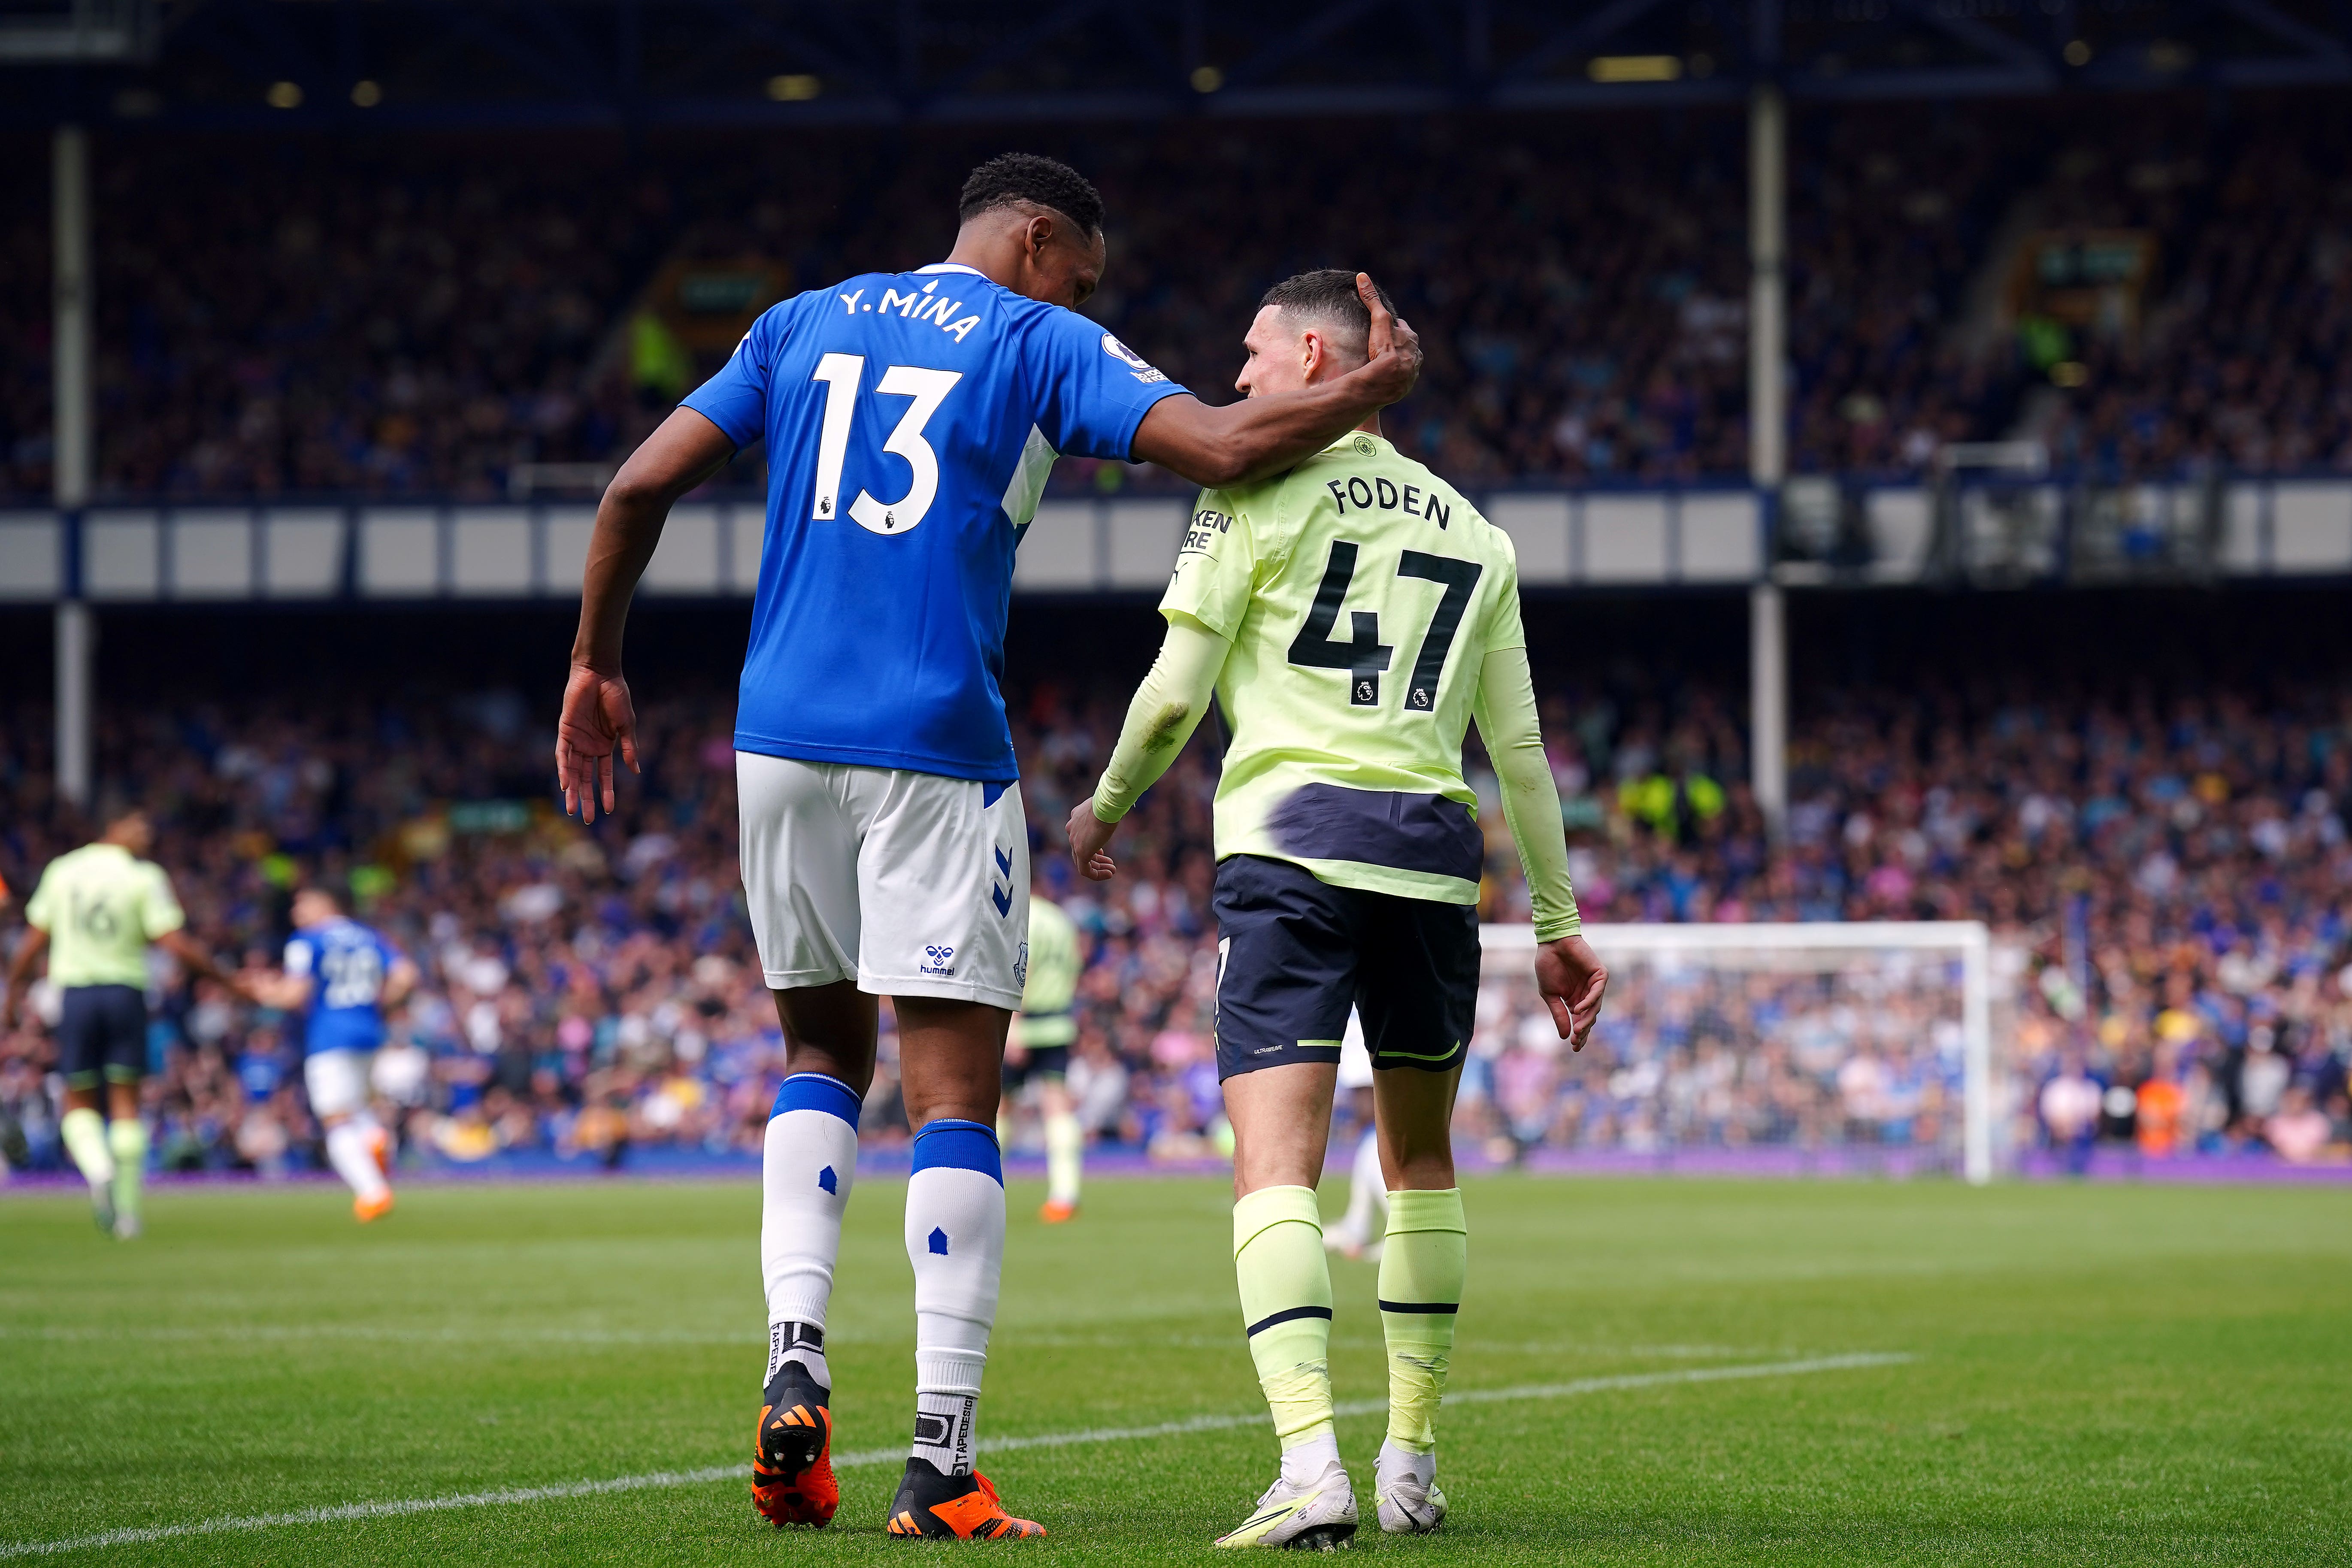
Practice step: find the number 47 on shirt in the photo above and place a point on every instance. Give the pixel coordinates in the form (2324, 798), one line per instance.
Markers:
(1363, 656)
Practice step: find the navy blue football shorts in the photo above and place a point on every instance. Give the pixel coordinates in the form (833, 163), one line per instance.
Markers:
(101, 1034)
(1042, 1062)
(1294, 953)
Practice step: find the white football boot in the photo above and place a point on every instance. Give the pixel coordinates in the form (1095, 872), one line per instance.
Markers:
(1318, 1516)
(1405, 1497)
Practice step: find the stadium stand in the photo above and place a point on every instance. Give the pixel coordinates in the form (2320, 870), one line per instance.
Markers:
(24, 331)
(2242, 359)
(425, 315)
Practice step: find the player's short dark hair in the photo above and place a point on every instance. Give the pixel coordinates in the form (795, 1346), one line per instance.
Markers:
(1011, 177)
(1328, 297)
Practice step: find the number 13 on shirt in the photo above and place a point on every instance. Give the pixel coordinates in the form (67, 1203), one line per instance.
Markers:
(842, 374)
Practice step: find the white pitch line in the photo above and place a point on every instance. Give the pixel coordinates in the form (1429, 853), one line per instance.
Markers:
(506, 1496)
(1647, 1380)
(239, 1333)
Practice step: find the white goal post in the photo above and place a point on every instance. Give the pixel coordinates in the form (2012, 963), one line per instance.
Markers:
(1857, 968)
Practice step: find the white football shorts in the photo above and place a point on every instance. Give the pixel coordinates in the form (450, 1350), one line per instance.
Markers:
(910, 884)
(337, 1081)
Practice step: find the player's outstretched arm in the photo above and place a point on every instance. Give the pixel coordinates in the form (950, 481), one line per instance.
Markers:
(196, 960)
(20, 973)
(399, 982)
(1569, 974)
(1167, 709)
(599, 718)
(272, 988)
(1261, 436)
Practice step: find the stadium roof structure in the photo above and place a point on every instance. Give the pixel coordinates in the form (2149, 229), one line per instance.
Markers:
(380, 64)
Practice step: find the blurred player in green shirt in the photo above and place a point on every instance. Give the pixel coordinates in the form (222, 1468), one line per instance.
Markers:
(94, 913)
(1352, 617)
(1043, 1032)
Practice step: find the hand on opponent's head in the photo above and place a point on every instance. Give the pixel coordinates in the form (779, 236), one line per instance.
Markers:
(1392, 348)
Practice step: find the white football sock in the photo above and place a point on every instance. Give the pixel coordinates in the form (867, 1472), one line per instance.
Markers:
(1365, 1186)
(1066, 1153)
(351, 1149)
(805, 1171)
(955, 1239)
(1397, 1461)
(801, 1343)
(1304, 1463)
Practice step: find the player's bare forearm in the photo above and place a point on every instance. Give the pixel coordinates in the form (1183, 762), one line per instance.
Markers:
(284, 992)
(28, 954)
(196, 960)
(682, 452)
(1257, 436)
(599, 715)
(20, 971)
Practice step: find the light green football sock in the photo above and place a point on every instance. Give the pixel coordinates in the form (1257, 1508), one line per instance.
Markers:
(85, 1135)
(127, 1137)
(1285, 1280)
(1422, 1266)
(1065, 1153)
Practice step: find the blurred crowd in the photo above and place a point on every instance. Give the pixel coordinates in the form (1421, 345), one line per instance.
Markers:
(2168, 879)
(2244, 354)
(425, 315)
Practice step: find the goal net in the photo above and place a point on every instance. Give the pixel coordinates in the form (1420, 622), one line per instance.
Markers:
(1822, 1047)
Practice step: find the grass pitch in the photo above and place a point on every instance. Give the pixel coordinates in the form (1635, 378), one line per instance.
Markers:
(2100, 1374)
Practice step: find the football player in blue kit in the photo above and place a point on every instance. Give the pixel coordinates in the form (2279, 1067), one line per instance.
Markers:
(911, 420)
(342, 977)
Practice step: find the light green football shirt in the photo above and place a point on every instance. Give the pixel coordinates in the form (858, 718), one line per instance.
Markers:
(1055, 961)
(1362, 594)
(101, 906)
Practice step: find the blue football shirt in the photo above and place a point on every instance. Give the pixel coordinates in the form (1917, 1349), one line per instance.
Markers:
(346, 963)
(911, 419)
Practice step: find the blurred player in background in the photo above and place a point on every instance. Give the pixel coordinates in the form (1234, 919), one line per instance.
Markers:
(344, 978)
(95, 911)
(910, 421)
(1040, 1049)
(1347, 870)
(1358, 1234)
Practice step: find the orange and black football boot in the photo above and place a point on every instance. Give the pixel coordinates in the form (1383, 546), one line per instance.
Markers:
(792, 1462)
(963, 1508)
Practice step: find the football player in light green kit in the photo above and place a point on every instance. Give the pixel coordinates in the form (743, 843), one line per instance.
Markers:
(1042, 1034)
(94, 913)
(1351, 616)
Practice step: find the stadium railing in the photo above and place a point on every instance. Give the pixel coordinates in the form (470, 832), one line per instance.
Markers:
(2002, 530)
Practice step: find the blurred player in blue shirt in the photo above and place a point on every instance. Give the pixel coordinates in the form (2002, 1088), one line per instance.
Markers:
(342, 977)
(910, 421)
